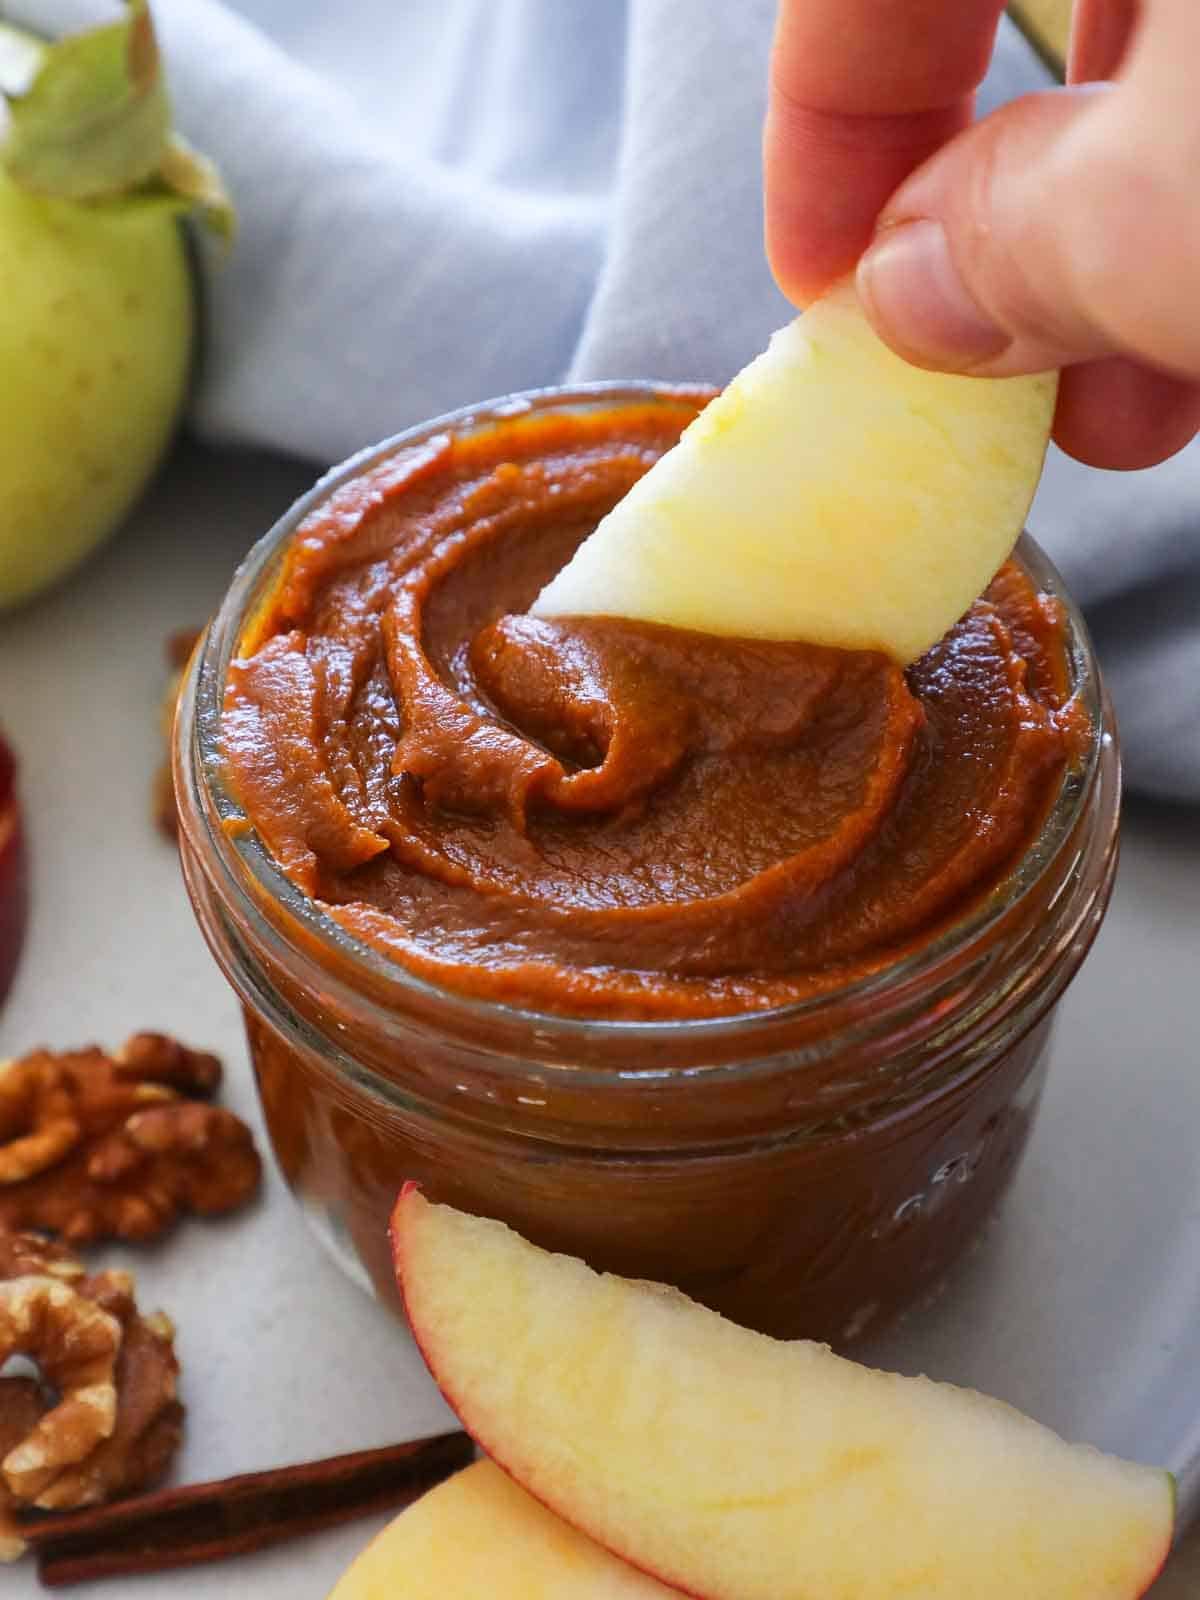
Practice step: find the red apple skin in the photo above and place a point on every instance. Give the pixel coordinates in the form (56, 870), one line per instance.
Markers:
(397, 1236)
(14, 871)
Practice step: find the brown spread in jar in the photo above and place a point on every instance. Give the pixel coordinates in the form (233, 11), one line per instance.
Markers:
(602, 821)
(603, 817)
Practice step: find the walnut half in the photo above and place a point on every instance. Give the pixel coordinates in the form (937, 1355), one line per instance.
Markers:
(101, 1418)
(96, 1146)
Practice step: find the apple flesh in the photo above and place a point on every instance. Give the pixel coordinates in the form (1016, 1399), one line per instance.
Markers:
(738, 1467)
(480, 1534)
(832, 493)
(14, 871)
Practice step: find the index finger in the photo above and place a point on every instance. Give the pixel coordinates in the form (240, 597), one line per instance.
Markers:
(861, 93)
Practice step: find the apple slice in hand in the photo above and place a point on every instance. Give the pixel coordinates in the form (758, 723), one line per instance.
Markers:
(832, 493)
(479, 1534)
(738, 1467)
(14, 884)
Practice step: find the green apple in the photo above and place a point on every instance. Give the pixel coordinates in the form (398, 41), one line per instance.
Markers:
(97, 314)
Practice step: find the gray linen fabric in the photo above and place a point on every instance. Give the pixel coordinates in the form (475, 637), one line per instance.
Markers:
(444, 200)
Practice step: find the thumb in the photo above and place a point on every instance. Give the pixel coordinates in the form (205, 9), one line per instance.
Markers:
(1063, 228)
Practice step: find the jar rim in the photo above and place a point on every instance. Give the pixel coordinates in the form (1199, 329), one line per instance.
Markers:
(251, 876)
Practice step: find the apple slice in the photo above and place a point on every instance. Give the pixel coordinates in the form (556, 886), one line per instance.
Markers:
(14, 871)
(480, 1534)
(832, 493)
(738, 1467)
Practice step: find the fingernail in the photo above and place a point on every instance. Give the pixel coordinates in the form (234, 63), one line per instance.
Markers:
(913, 293)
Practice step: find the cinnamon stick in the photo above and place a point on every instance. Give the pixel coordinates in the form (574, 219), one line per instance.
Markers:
(213, 1521)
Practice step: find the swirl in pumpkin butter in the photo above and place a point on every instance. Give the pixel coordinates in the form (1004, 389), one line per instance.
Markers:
(602, 817)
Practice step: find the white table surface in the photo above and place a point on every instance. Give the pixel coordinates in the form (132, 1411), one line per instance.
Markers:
(1083, 1304)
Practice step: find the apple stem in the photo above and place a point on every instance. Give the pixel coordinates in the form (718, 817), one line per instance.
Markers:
(89, 120)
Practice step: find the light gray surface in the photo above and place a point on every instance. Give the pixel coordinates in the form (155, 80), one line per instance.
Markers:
(1082, 1305)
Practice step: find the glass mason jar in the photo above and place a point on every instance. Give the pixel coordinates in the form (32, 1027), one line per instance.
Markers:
(808, 1170)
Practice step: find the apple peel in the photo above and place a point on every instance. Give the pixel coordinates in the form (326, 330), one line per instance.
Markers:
(479, 1533)
(832, 493)
(14, 872)
(738, 1467)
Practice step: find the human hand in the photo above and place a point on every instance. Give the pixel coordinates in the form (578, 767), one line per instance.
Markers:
(1063, 230)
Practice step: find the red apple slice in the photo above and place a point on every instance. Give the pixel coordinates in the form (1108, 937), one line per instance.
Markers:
(14, 872)
(738, 1467)
(479, 1534)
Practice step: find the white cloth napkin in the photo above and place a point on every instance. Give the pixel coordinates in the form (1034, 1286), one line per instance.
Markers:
(442, 202)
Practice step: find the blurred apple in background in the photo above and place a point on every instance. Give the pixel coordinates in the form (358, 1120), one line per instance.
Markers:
(97, 309)
(14, 879)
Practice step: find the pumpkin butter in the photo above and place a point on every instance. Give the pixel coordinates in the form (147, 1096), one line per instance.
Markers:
(605, 818)
(717, 962)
